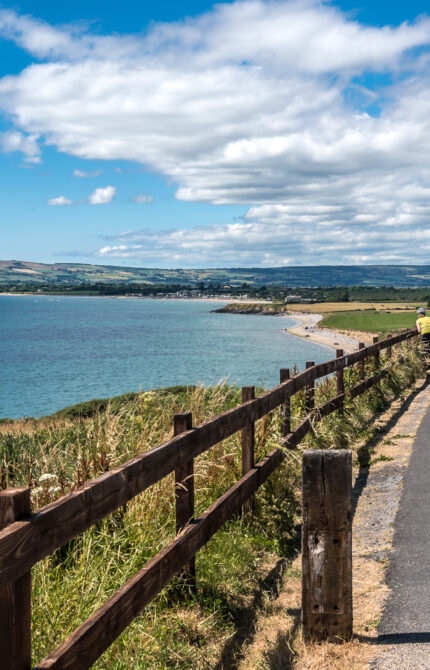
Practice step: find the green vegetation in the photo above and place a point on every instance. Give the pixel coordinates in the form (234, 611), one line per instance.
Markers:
(371, 321)
(91, 408)
(55, 454)
(377, 320)
(238, 290)
(343, 281)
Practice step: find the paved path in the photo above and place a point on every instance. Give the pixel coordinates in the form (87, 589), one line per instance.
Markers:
(405, 625)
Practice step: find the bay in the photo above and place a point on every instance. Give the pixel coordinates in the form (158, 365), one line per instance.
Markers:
(58, 351)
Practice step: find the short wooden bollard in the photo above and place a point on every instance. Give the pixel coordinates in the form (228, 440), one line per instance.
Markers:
(284, 375)
(361, 363)
(310, 390)
(326, 545)
(15, 598)
(248, 440)
(184, 492)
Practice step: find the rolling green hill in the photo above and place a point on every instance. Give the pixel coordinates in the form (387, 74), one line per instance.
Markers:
(69, 274)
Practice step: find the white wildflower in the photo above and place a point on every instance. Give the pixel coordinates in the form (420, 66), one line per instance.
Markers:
(54, 489)
(47, 477)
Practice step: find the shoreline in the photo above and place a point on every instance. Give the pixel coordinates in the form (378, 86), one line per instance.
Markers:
(306, 326)
(133, 297)
(335, 339)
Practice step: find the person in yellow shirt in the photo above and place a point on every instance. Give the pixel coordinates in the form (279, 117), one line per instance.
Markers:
(423, 327)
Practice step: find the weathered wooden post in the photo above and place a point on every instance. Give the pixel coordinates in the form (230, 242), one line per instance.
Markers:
(248, 443)
(284, 375)
(389, 349)
(361, 363)
(184, 492)
(326, 545)
(310, 390)
(377, 359)
(340, 382)
(15, 598)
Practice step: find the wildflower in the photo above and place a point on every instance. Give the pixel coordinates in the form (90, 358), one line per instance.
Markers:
(54, 489)
(47, 477)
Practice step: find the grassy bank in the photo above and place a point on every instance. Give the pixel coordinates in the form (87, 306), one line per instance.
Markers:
(56, 454)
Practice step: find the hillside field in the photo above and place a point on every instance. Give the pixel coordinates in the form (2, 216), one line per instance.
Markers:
(18, 272)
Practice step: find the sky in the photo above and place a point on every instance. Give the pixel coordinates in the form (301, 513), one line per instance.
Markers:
(192, 134)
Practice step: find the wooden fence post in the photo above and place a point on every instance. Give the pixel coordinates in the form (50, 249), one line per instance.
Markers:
(248, 442)
(284, 375)
(326, 545)
(15, 598)
(361, 363)
(310, 390)
(389, 349)
(184, 493)
(377, 358)
(340, 382)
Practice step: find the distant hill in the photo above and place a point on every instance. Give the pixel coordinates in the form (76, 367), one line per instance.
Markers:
(69, 274)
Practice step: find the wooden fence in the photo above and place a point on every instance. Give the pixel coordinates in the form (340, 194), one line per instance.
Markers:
(27, 537)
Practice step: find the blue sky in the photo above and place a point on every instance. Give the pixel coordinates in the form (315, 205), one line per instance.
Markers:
(190, 135)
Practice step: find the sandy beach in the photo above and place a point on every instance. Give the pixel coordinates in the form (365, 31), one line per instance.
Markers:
(308, 327)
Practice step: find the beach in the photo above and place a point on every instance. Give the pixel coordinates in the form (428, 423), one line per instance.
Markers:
(308, 327)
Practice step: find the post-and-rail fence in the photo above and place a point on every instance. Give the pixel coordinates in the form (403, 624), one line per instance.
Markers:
(26, 537)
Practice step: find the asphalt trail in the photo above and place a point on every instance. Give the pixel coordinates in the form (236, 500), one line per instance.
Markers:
(405, 624)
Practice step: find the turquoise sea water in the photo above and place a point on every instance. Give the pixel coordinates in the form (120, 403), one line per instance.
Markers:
(57, 351)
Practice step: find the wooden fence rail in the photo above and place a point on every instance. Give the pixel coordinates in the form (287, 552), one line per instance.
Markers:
(27, 538)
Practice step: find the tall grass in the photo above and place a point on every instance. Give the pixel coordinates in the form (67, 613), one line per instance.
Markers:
(176, 630)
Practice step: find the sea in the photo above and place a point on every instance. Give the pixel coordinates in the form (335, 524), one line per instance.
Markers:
(58, 351)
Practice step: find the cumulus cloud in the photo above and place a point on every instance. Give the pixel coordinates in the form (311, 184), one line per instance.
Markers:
(27, 144)
(263, 104)
(60, 201)
(83, 174)
(142, 199)
(270, 245)
(102, 196)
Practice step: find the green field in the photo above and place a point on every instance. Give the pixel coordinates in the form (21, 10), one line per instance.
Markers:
(371, 321)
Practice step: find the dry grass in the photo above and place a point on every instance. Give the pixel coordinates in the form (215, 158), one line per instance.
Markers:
(19, 427)
(328, 307)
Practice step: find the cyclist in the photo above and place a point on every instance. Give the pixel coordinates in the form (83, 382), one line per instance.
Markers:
(423, 327)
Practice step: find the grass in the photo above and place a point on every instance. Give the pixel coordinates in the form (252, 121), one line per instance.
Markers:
(374, 317)
(328, 307)
(56, 454)
(369, 321)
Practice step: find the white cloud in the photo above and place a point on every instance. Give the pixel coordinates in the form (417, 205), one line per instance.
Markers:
(102, 196)
(82, 174)
(142, 198)
(271, 245)
(254, 103)
(16, 141)
(60, 201)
